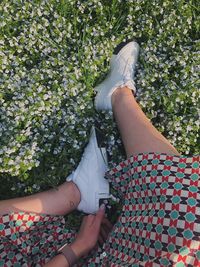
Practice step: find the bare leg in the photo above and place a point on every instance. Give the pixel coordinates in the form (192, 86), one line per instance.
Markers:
(138, 133)
(58, 201)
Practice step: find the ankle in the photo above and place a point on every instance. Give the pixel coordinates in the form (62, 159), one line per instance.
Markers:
(120, 93)
(73, 193)
(76, 191)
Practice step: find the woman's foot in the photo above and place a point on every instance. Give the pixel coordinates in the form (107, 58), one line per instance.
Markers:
(121, 75)
(89, 176)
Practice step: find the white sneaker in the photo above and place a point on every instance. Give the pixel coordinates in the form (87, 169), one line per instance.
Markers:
(121, 74)
(89, 176)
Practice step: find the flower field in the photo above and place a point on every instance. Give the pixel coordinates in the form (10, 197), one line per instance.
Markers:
(53, 53)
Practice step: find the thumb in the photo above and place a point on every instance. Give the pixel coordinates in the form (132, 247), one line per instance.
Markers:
(100, 214)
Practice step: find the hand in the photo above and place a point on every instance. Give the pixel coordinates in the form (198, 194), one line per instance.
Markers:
(105, 229)
(89, 232)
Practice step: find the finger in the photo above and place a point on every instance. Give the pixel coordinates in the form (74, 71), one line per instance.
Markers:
(107, 224)
(96, 247)
(100, 215)
(87, 221)
(100, 240)
(84, 220)
(104, 233)
(90, 219)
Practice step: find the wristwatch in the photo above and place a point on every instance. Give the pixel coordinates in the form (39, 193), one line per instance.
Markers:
(69, 254)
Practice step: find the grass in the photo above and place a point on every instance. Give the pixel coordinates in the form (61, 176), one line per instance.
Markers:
(52, 55)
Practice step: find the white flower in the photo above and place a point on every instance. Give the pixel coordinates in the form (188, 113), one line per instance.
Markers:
(51, 62)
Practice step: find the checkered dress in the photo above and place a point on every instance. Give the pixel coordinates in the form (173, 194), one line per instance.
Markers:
(159, 224)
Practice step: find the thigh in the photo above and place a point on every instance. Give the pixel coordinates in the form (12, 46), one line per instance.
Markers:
(31, 239)
(159, 223)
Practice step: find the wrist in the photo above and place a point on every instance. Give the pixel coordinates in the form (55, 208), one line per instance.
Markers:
(79, 248)
(68, 253)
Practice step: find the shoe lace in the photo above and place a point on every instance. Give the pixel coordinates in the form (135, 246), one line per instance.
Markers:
(128, 65)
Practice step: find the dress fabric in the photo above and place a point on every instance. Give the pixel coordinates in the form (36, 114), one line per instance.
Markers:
(159, 223)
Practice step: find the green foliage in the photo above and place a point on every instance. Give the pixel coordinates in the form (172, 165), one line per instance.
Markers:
(52, 55)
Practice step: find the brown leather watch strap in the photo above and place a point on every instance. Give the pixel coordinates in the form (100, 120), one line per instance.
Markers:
(69, 254)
